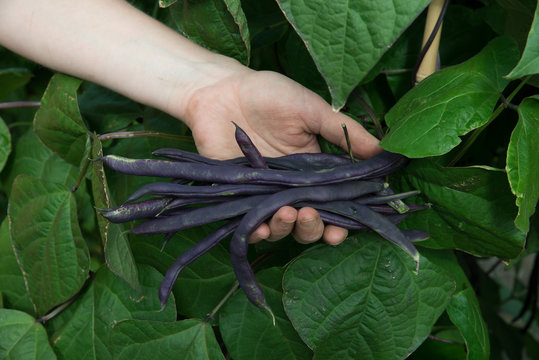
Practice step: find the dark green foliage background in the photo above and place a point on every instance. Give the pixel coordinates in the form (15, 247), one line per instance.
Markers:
(74, 286)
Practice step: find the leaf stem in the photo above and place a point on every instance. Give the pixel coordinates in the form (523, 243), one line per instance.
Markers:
(435, 338)
(222, 302)
(19, 104)
(234, 287)
(468, 143)
(144, 133)
(370, 111)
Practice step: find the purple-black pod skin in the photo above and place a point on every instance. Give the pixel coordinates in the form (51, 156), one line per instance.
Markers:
(374, 167)
(194, 252)
(252, 219)
(249, 149)
(200, 191)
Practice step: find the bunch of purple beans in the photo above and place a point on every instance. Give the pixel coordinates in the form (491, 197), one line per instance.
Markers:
(244, 192)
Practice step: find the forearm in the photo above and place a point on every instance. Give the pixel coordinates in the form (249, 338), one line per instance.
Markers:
(113, 44)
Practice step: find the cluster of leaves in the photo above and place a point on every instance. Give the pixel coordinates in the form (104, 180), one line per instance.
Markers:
(75, 286)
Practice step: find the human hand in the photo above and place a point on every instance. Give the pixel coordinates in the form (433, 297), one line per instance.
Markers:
(281, 117)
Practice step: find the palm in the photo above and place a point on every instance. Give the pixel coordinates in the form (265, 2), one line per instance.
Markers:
(272, 109)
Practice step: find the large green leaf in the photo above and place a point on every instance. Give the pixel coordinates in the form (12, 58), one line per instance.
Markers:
(472, 209)
(105, 110)
(464, 312)
(364, 294)
(21, 337)
(11, 280)
(82, 331)
(12, 79)
(32, 158)
(5, 143)
(47, 241)
(463, 309)
(523, 161)
(429, 119)
(249, 333)
(219, 25)
(202, 284)
(118, 255)
(347, 38)
(58, 122)
(186, 339)
(529, 62)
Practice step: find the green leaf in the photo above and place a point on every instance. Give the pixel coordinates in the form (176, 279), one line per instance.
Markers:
(219, 25)
(105, 110)
(363, 293)
(158, 121)
(11, 280)
(429, 119)
(464, 312)
(118, 255)
(5, 143)
(12, 79)
(472, 209)
(202, 284)
(529, 62)
(58, 122)
(21, 337)
(47, 241)
(34, 159)
(266, 21)
(249, 332)
(299, 66)
(186, 339)
(522, 164)
(82, 331)
(463, 309)
(347, 38)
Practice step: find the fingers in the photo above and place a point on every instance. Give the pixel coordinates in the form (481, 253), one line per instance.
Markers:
(305, 226)
(280, 225)
(309, 227)
(328, 123)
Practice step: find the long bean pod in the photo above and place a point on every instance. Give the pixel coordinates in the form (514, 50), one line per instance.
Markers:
(192, 217)
(373, 220)
(201, 191)
(191, 255)
(300, 161)
(374, 167)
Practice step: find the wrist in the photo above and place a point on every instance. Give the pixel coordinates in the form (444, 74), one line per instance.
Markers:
(187, 92)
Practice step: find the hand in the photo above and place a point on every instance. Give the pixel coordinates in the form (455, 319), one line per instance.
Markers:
(281, 117)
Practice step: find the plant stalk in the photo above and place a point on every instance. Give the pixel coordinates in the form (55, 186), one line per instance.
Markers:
(19, 104)
(468, 143)
(144, 133)
(433, 25)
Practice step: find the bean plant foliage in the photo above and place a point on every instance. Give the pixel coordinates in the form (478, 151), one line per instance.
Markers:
(76, 286)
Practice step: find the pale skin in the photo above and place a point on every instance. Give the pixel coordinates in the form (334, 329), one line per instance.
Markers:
(115, 45)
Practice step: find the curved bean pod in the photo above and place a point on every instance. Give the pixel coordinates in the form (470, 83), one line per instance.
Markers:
(200, 248)
(249, 149)
(254, 217)
(192, 217)
(373, 220)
